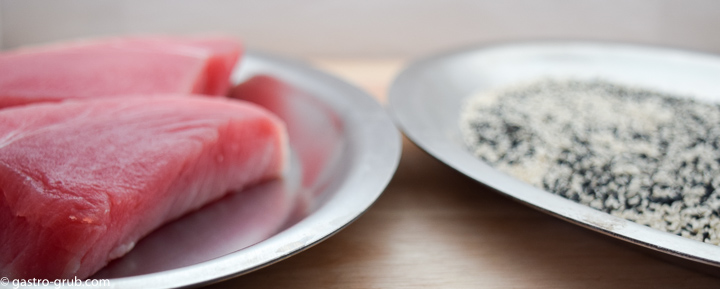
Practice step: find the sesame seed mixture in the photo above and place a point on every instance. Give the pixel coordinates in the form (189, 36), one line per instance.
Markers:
(645, 156)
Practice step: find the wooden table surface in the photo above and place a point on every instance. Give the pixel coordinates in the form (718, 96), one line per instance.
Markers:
(435, 228)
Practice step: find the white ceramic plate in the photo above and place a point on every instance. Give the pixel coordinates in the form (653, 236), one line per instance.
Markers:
(426, 98)
(344, 149)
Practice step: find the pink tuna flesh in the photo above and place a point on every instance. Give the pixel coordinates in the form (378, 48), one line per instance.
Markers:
(114, 67)
(82, 181)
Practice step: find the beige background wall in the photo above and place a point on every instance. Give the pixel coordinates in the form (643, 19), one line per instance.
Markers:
(382, 28)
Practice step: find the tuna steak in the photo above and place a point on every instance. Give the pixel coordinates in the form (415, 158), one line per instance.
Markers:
(82, 181)
(113, 67)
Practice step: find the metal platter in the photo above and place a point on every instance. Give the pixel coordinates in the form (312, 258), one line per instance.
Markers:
(344, 150)
(426, 98)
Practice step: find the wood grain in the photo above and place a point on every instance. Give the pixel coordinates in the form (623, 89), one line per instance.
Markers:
(435, 228)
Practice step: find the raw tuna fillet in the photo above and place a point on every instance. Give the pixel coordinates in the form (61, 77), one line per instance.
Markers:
(82, 181)
(114, 67)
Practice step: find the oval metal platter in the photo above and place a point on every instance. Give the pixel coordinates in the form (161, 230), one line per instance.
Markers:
(344, 151)
(426, 98)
